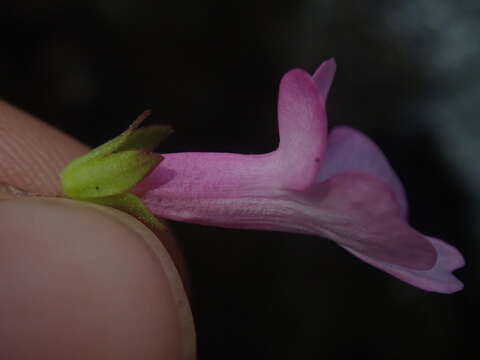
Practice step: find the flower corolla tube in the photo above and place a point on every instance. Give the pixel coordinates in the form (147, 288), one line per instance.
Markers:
(337, 185)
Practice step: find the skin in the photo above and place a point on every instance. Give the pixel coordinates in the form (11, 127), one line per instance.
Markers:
(78, 280)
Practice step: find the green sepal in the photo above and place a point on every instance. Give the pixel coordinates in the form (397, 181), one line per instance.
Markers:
(132, 205)
(105, 174)
(108, 175)
(146, 138)
(117, 165)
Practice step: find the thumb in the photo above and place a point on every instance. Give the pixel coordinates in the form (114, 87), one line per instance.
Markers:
(81, 281)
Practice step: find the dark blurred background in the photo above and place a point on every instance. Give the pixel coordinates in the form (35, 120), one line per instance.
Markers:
(408, 76)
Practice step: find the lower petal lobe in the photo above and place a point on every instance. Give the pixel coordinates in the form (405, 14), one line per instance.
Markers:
(361, 212)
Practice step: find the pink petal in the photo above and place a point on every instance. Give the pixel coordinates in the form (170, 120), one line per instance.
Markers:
(294, 165)
(355, 199)
(349, 150)
(323, 77)
(355, 210)
(302, 123)
(209, 175)
(438, 279)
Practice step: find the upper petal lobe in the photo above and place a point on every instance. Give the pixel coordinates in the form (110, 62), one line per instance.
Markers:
(349, 150)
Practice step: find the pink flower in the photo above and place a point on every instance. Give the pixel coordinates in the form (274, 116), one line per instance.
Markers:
(339, 186)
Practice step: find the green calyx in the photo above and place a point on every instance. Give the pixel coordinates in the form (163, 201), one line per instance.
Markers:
(106, 173)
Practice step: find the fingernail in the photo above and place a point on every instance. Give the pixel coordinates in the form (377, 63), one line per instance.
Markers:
(81, 281)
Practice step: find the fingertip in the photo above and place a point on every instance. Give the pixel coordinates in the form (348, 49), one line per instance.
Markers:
(32, 153)
(86, 282)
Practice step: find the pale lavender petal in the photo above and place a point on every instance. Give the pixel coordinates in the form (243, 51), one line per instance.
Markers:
(349, 150)
(361, 213)
(437, 279)
(323, 77)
